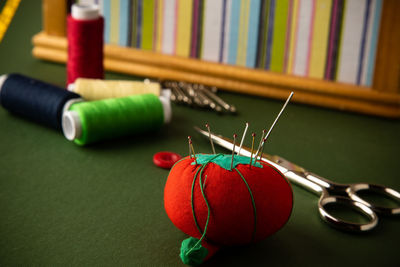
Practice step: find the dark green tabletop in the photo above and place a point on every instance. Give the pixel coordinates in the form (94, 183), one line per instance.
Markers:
(61, 204)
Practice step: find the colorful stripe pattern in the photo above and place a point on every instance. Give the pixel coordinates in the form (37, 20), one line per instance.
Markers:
(324, 39)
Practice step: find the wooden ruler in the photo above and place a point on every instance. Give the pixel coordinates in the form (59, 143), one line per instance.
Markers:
(6, 15)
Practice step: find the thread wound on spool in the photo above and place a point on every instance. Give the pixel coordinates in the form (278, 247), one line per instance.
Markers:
(85, 45)
(95, 89)
(34, 100)
(110, 118)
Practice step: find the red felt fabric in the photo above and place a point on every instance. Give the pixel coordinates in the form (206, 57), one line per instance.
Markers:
(232, 216)
(212, 249)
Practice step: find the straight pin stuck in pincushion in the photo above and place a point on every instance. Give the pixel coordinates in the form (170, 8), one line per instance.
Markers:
(233, 149)
(243, 136)
(211, 141)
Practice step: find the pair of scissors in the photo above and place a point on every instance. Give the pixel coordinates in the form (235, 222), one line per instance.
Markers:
(329, 192)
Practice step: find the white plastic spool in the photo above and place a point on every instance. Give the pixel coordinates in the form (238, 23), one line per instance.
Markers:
(85, 12)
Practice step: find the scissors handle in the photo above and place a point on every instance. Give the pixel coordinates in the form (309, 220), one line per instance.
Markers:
(341, 224)
(386, 192)
(310, 181)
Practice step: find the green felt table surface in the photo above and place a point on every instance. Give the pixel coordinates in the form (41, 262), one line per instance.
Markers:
(61, 204)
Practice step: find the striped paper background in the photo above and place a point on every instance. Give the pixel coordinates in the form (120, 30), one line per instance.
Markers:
(324, 39)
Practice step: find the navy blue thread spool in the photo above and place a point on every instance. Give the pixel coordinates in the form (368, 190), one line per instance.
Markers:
(35, 100)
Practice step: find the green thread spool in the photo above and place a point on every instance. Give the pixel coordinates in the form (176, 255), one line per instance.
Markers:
(89, 122)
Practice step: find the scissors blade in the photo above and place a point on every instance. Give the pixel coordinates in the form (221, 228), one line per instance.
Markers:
(278, 162)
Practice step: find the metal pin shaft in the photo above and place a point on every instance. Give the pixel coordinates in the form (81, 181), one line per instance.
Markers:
(233, 149)
(260, 144)
(209, 135)
(252, 148)
(244, 134)
(191, 146)
(273, 124)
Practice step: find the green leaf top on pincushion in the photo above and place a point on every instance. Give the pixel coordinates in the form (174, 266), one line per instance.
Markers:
(225, 160)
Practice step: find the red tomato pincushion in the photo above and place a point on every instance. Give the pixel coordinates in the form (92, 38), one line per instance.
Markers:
(222, 206)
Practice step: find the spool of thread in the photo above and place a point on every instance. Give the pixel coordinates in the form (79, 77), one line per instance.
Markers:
(88, 122)
(35, 100)
(85, 43)
(95, 89)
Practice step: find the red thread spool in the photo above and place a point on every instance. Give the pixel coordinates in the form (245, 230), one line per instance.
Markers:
(85, 43)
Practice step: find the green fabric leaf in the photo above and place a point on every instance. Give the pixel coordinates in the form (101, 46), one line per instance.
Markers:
(192, 252)
(224, 160)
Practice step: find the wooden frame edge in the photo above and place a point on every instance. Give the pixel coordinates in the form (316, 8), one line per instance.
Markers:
(238, 79)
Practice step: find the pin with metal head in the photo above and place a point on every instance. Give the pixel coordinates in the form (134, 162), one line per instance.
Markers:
(192, 89)
(226, 106)
(209, 135)
(212, 103)
(173, 96)
(208, 100)
(177, 93)
(189, 89)
(205, 100)
(180, 96)
(185, 97)
(191, 147)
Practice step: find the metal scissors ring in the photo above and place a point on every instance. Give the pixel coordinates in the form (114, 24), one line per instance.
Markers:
(329, 192)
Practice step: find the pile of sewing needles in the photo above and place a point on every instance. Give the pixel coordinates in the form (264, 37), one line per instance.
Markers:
(198, 95)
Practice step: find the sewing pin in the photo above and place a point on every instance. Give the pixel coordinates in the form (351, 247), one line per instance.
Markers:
(191, 146)
(226, 106)
(190, 150)
(210, 101)
(233, 150)
(173, 96)
(199, 99)
(252, 147)
(193, 95)
(259, 145)
(204, 100)
(181, 96)
(209, 135)
(273, 124)
(244, 134)
(178, 94)
(187, 100)
(207, 101)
